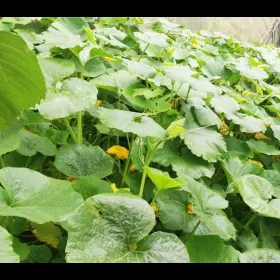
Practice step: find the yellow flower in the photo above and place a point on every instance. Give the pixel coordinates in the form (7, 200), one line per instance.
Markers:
(127, 189)
(98, 102)
(154, 206)
(132, 168)
(260, 136)
(194, 43)
(118, 151)
(109, 59)
(190, 209)
(71, 179)
(255, 162)
(224, 128)
(114, 188)
(267, 124)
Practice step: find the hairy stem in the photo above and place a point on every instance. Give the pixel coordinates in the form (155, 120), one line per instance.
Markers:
(253, 217)
(80, 127)
(143, 52)
(193, 231)
(70, 130)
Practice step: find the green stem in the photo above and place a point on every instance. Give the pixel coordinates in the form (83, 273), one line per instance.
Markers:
(80, 127)
(143, 52)
(149, 157)
(70, 130)
(193, 231)
(128, 159)
(253, 217)
(155, 197)
(1, 162)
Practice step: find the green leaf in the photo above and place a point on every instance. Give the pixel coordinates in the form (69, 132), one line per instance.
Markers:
(248, 71)
(114, 228)
(260, 256)
(276, 130)
(7, 254)
(79, 160)
(205, 143)
(206, 117)
(202, 197)
(138, 102)
(22, 82)
(33, 196)
(273, 177)
(20, 249)
(89, 186)
(172, 209)
(9, 139)
(162, 180)
(235, 168)
(115, 81)
(249, 124)
(31, 143)
(62, 34)
(57, 136)
(225, 104)
(176, 128)
(94, 67)
(152, 38)
(39, 254)
(211, 249)
(187, 164)
(48, 233)
(128, 122)
(76, 95)
(112, 31)
(56, 69)
(139, 69)
(257, 193)
(262, 147)
(266, 238)
(181, 74)
(236, 146)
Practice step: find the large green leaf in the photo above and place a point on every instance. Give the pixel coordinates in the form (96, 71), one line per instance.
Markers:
(63, 33)
(235, 168)
(225, 104)
(114, 228)
(273, 177)
(126, 121)
(9, 139)
(31, 143)
(205, 143)
(76, 95)
(211, 249)
(206, 117)
(257, 193)
(152, 38)
(181, 74)
(22, 84)
(249, 124)
(140, 69)
(187, 164)
(89, 186)
(32, 195)
(7, 254)
(79, 160)
(115, 81)
(172, 209)
(162, 180)
(56, 69)
(263, 147)
(260, 256)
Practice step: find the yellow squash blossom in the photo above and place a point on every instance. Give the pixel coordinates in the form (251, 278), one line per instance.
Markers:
(154, 206)
(224, 128)
(114, 188)
(109, 59)
(194, 43)
(118, 151)
(255, 162)
(190, 209)
(98, 102)
(132, 168)
(260, 136)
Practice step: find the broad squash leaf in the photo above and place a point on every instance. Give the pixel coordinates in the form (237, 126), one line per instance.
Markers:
(78, 160)
(260, 256)
(115, 228)
(7, 254)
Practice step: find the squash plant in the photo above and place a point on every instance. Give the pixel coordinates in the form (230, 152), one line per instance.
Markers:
(124, 140)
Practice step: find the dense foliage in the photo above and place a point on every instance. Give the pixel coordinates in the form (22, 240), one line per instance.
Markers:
(129, 141)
